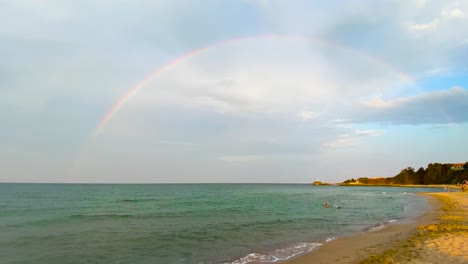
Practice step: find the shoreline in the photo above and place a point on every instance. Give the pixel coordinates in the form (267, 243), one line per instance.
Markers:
(452, 186)
(402, 243)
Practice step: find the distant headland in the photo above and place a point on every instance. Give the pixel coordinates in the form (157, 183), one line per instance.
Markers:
(433, 174)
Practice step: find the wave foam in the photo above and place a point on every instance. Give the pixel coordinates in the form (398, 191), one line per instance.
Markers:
(379, 226)
(278, 254)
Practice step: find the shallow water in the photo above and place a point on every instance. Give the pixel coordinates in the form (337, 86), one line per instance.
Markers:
(188, 223)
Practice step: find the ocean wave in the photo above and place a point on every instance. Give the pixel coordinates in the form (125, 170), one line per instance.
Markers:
(101, 216)
(278, 254)
(406, 193)
(65, 219)
(375, 227)
(379, 226)
(137, 200)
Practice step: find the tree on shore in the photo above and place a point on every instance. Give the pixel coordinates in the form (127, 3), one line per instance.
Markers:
(435, 173)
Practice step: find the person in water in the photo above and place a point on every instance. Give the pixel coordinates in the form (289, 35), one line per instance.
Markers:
(326, 205)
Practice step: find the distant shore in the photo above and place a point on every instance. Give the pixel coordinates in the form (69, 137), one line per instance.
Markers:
(451, 186)
(438, 236)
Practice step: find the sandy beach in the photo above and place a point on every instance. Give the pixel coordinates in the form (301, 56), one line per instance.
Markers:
(438, 236)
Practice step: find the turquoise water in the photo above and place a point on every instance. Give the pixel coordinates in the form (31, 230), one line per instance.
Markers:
(188, 223)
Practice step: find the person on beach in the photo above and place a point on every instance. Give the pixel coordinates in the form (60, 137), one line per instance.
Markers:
(464, 186)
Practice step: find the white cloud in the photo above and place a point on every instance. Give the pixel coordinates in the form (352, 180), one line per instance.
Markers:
(456, 12)
(340, 121)
(307, 115)
(435, 107)
(377, 103)
(419, 3)
(424, 26)
(256, 81)
(343, 141)
(441, 20)
(351, 139)
(437, 71)
(244, 101)
(443, 125)
(370, 132)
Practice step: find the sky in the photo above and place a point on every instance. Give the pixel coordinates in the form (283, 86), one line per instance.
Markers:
(200, 91)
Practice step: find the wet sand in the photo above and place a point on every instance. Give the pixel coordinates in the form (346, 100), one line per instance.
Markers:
(438, 236)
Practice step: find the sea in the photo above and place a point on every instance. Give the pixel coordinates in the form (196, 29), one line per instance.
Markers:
(190, 223)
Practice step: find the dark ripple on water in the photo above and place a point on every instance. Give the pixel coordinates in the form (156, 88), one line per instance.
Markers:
(101, 216)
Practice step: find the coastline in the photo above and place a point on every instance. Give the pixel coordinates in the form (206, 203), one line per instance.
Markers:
(452, 186)
(444, 227)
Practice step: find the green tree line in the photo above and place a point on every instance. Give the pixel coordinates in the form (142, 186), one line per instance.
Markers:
(435, 173)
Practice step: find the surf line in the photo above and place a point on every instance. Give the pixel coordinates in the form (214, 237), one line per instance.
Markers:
(118, 105)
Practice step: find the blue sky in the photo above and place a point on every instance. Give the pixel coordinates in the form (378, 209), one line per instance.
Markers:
(288, 91)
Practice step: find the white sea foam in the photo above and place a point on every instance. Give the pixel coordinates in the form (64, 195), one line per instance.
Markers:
(278, 254)
(380, 226)
(407, 193)
(376, 227)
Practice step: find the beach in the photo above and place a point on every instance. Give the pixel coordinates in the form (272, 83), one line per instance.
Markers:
(438, 236)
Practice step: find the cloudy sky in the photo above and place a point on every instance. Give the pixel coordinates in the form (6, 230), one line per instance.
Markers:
(230, 91)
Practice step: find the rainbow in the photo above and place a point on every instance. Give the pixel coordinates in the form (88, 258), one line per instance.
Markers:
(187, 56)
(118, 105)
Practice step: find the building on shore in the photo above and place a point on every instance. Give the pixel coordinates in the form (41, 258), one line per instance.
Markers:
(458, 166)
